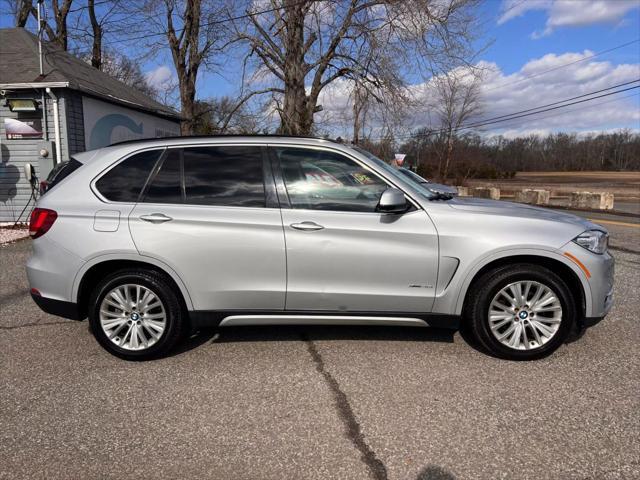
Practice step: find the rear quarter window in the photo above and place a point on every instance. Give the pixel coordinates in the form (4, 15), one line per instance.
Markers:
(59, 173)
(124, 182)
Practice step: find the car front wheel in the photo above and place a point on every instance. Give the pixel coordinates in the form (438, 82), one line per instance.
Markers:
(521, 312)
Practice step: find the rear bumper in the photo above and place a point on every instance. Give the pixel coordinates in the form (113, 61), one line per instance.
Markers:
(58, 307)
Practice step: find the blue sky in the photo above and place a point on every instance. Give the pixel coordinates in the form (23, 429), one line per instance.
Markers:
(526, 37)
(513, 43)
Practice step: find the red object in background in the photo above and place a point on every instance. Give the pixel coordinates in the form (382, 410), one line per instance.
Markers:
(43, 186)
(41, 221)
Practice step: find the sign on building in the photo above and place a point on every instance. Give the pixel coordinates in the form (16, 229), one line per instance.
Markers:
(105, 123)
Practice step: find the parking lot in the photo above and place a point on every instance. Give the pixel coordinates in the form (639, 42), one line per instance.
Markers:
(318, 402)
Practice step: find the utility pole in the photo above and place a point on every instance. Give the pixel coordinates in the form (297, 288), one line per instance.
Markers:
(40, 36)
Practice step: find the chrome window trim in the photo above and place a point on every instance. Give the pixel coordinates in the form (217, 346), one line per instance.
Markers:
(353, 155)
(107, 169)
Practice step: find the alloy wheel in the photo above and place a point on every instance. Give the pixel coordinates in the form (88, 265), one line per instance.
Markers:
(132, 317)
(525, 315)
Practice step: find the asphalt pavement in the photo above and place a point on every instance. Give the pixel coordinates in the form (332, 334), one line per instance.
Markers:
(318, 402)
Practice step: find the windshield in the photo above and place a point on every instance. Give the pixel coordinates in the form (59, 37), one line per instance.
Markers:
(412, 175)
(420, 187)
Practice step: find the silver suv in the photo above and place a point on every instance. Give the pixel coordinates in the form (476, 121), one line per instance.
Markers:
(153, 239)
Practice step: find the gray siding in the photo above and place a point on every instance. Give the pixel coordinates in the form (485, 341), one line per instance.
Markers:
(75, 122)
(15, 191)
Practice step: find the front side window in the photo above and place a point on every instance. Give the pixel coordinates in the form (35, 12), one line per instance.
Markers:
(322, 180)
(224, 176)
(124, 182)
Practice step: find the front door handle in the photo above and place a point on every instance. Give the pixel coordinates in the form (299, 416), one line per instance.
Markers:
(306, 226)
(156, 218)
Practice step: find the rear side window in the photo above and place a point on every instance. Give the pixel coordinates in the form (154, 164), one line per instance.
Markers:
(59, 173)
(224, 176)
(166, 185)
(124, 182)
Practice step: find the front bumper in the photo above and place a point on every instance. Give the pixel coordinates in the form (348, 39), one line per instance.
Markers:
(599, 279)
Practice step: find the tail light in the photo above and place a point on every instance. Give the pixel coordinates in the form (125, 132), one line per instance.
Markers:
(41, 221)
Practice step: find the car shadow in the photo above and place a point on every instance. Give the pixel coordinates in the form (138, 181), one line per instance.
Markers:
(283, 333)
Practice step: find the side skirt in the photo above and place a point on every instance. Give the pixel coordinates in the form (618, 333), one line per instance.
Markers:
(227, 318)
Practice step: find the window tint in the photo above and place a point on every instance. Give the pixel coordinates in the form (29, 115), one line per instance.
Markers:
(166, 186)
(59, 173)
(321, 180)
(224, 176)
(124, 182)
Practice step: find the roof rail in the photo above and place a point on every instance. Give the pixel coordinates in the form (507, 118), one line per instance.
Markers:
(255, 135)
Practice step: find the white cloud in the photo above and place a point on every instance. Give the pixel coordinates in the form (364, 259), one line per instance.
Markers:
(161, 78)
(568, 13)
(516, 8)
(504, 94)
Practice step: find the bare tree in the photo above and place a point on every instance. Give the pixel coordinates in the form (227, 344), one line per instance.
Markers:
(21, 10)
(456, 100)
(308, 45)
(96, 28)
(57, 32)
(361, 103)
(191, 45)
(224, 115)
(127, 71)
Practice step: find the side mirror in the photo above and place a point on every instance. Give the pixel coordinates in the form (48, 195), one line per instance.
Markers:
(392, 200)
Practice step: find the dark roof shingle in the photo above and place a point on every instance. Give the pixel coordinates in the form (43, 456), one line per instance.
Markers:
(19, 64)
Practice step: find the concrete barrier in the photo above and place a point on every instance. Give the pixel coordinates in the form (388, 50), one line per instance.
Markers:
(463, 191)
(590, 200)
(533, 196)
(487, 192)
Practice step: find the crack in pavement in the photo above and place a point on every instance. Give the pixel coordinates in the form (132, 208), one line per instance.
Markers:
(354, 433)
(15, 327)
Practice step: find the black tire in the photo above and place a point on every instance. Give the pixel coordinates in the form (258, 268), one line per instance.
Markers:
(490, 283)
(163, 289)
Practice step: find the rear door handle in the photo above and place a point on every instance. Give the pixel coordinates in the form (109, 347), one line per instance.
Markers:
(307, 226)
(156, 218)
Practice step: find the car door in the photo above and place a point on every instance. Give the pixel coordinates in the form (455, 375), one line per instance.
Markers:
(343, 255)
(210, 213)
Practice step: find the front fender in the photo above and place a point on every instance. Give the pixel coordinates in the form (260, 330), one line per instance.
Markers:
(452, 299)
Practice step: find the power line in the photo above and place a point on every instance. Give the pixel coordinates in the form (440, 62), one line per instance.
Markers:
(565, 100)
(547, 109)
(530, 111)
(564, 65)
(85, 7)
(209, 24)
(586, 107)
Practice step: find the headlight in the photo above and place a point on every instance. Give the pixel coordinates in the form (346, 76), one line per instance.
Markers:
(593, 240)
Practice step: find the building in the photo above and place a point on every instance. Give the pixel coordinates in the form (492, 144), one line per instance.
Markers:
(70, 107)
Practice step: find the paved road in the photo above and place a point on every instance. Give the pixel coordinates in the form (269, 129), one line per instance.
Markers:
(262, 403)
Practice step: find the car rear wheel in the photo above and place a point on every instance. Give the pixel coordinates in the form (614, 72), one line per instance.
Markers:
(136, 315)
(520, 312)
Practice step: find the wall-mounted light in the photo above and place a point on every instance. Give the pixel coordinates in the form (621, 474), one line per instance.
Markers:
(22, 104)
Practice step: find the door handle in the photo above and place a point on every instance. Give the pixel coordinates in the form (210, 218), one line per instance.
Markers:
(155, 218)
(306, 226)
